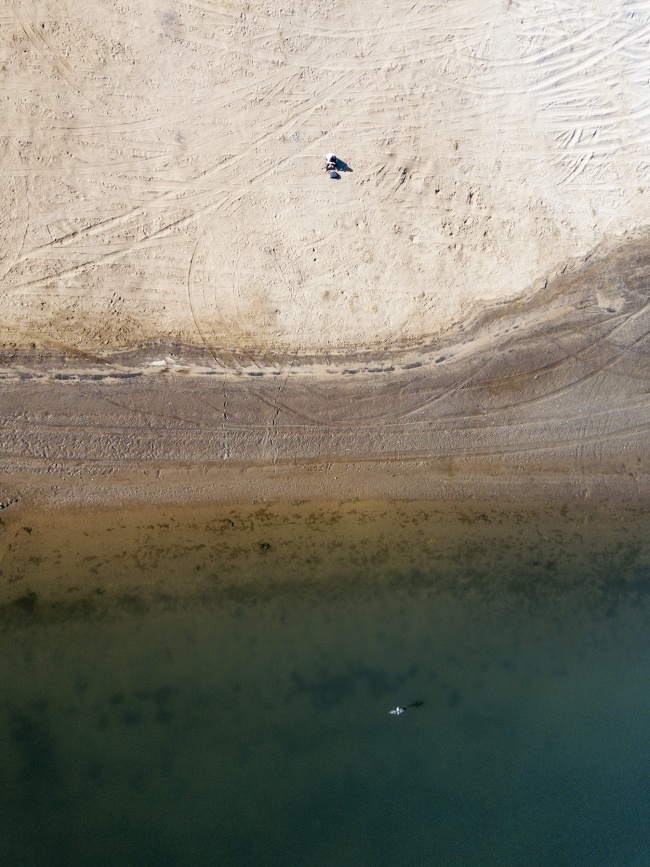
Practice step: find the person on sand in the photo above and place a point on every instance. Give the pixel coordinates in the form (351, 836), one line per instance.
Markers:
(330, 162)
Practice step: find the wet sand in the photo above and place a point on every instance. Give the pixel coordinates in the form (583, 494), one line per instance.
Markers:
(546, 397)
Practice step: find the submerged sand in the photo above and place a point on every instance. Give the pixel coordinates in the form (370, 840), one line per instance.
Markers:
(85, 564)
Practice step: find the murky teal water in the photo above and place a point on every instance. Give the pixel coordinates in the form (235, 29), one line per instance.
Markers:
(251, 726)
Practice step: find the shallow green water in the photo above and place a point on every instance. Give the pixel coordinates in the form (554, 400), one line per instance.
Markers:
(250, 725)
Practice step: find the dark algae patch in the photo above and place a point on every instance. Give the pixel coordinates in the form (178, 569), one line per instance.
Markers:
(217, 689)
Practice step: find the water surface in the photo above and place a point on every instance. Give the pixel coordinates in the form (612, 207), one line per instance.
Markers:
(212, 686)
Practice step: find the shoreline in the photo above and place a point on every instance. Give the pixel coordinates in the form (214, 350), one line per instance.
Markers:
(393, 480)
(80, 564)
(546, 397)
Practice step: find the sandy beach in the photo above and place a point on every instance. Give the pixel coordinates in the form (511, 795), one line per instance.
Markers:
(324, 501)
(192, 307)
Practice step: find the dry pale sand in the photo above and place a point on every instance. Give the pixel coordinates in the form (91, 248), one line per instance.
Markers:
(481, 266)
(162, 164)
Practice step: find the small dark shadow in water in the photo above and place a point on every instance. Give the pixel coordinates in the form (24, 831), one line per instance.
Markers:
(329, 691)
(81, 685)
(31, 734)
(27, 602)
(162, 695)
(142, 705)
(133, 604)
